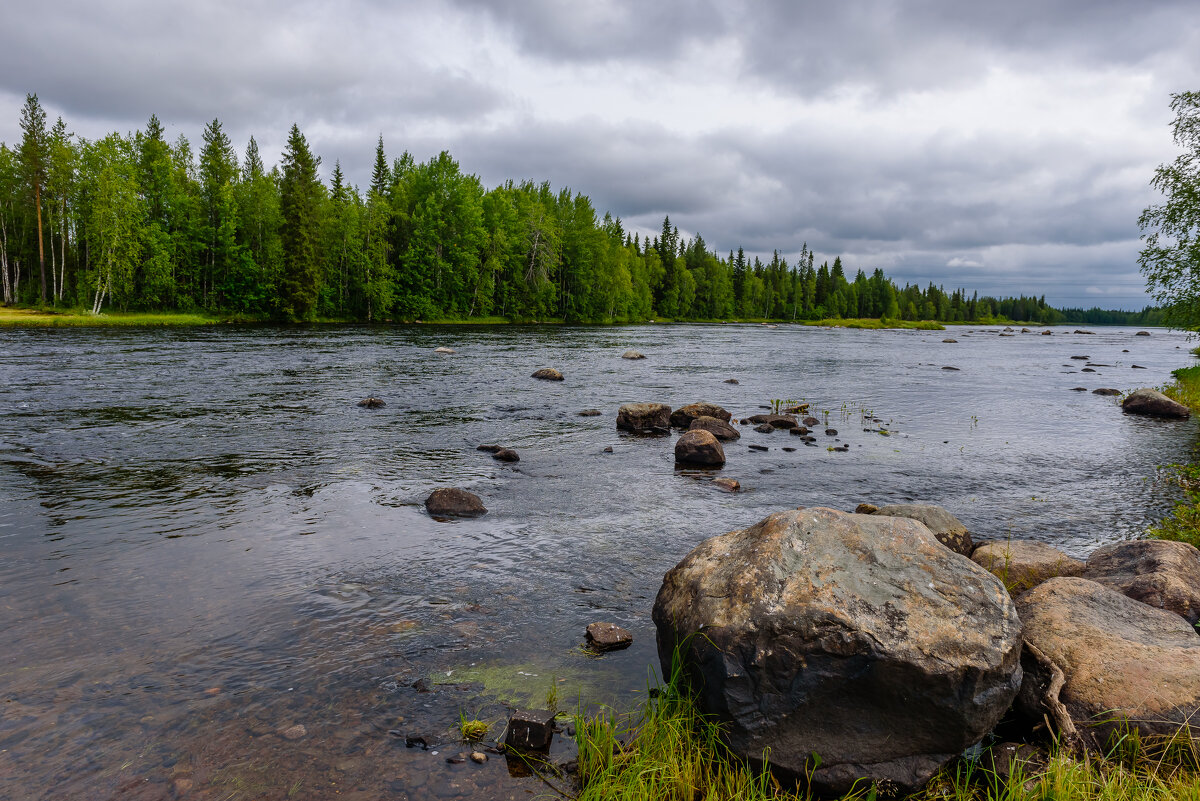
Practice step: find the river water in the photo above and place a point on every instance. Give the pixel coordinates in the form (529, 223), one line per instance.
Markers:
(206, 543)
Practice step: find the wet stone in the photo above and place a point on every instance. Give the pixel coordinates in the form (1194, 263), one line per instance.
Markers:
(506, 455)
(727, 484)
(732, 381)
(489, 448)
(763, 428)
(608, 637)
(1106, 391)
(530, 730)
(294, 732)
(759, 448)
(548, 374)
(590, 413)
(372, 403)
(478, 757)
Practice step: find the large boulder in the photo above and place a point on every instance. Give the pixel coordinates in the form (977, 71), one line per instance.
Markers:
(454, 502)
(949, 530)
(644, 417)
(717, 427)
(858, 638)
(699, 447)
(1097, 661)
(1024, 564)
(684, 415)
(1155, 404)
(1161, 573)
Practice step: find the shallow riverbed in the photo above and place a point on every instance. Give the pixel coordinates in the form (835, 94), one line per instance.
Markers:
(206, 542)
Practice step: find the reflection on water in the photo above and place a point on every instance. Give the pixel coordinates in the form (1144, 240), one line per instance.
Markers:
(207, 545)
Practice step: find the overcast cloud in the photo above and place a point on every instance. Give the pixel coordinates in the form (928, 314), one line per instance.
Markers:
(1000, 147)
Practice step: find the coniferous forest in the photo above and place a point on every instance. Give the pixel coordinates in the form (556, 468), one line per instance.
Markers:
(136, 222)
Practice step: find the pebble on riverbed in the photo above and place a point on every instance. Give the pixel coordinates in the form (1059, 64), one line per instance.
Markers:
(295, 732)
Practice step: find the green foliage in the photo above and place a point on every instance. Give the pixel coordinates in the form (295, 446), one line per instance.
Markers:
(1170, 259)
(138, 223)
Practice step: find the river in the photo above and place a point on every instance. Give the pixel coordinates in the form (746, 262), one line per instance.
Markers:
(206, 543)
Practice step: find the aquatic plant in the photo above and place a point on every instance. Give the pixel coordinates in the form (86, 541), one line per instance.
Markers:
(472, 729)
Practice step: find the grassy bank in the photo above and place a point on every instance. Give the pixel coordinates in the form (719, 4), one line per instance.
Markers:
(40, 318)
(1183, 523)
(666, 750)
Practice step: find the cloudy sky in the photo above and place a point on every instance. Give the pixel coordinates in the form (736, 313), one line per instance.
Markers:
(1004, 147)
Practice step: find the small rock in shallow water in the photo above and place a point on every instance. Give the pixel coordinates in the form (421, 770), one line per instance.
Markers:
(1136, 366)
(590, 413)
(831, 432)
(1087, 370)
(810, 421)
(548, 374)
(732, 381)
(1106, 391)
(632, 355)
(506, 455)
(490, 448)
(531, 730)
(727, 484)
(1082, 358)
(293, 732)
(372, 403)
(1079, 389)
(608, 449)
(608, 637)
(950, 341)
(955, 369)
(444, 350)
(763, 428)
(759, 447)
(479, 757)
(457, 759)
(454, 502)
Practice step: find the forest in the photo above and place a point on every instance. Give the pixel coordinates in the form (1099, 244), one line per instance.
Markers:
(136, 222)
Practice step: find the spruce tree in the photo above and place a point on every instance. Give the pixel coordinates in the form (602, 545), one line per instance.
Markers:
(33, 164)
(300, 203)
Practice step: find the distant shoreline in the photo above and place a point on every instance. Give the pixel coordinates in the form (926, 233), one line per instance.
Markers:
(24, 317)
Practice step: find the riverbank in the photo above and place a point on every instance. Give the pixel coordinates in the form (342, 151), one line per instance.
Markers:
(1183, 523)
(18, 317)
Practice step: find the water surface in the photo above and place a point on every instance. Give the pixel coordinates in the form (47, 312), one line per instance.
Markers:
(205, 541)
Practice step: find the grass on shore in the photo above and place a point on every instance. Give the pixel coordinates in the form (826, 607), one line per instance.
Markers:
(1183, 524)
(668, 751)
(11, 317)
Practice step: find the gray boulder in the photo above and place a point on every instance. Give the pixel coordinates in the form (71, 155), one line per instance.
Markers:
(949, 530)
(684, 415)
(1160, 573)
(1155, 404)
(1097, 661)
(717, 427)
(454, 502)
(644, 417)
(855, 637)
(699, 447)
(1024, 564)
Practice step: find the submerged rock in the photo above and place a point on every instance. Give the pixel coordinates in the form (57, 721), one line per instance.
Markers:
(1155, 404)
(644, 417)
(948, 529)
(489, 448)
(506, 455)
(1106, 391)
(590, 413)
(717, 427)
(1024, 564)
(632, 355)
(1097, 662)
(855, 637)
(1046, 333)
(548, 374)
(1161, 573)
(1142, 334)
(763, 428)
(727, 484)
(775, 420)
(684, 415)
(454, 502)
(950, 341)
(732, 381)
(699, 447)
(444, 350)
(372, 403)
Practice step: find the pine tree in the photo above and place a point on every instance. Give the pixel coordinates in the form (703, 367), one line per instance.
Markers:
(381, 176)
(33, 163)
(300, 201)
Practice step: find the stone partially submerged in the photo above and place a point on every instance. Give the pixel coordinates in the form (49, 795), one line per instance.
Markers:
(1097, 662)
(684, 415)
(644, 418)
(1153, 403)
(454, 502)
(717, 427)
(699, 447)
(858, 638)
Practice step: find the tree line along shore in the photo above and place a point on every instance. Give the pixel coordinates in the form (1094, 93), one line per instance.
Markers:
(136, 223)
